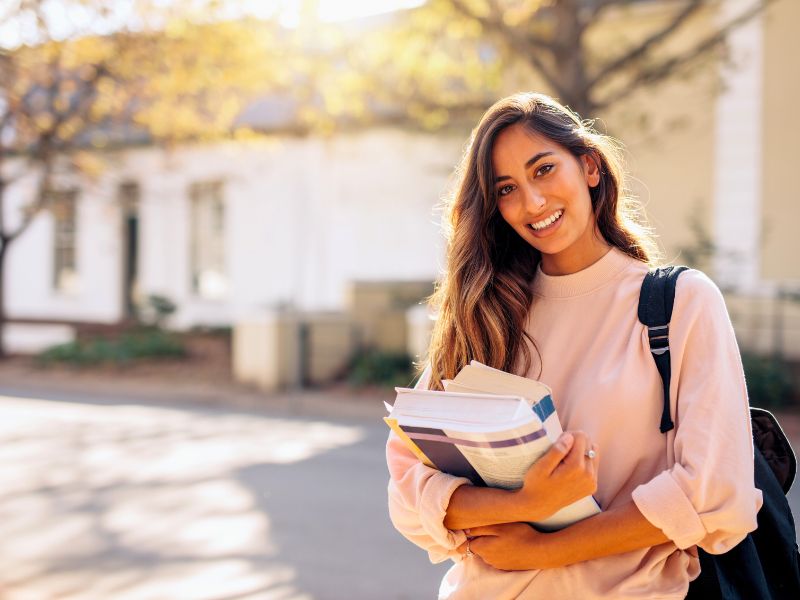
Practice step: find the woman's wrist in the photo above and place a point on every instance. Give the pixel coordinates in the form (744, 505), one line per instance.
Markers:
(549, 551)
(473, 506)
(526, 506)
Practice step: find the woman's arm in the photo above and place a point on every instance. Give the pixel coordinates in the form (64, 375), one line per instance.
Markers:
(620, 529)
(706, 496)
(418, 498)
(518, 546)
(559, 478)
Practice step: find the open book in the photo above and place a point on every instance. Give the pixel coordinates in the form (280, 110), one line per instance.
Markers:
(489, 426)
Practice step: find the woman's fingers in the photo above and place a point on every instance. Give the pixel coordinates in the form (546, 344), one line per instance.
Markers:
(577, 455)
(553, 457)
(473, 532)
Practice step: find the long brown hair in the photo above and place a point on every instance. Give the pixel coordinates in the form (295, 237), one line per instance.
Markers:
(483, 298)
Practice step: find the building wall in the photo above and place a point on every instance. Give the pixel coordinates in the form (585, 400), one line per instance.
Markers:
(29, 278)
(711, 150)
(779, 189)
(303, 218)
(667, 130)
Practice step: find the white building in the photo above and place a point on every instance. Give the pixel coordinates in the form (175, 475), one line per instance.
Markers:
(227, 229)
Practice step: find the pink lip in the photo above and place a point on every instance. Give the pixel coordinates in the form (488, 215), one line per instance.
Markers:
(547, 230)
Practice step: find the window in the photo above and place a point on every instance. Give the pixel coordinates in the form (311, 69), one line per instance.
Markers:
(209, 276)
(65, 272)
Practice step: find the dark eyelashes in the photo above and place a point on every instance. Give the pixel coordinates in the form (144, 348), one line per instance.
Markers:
(548, 166)
(500, 190)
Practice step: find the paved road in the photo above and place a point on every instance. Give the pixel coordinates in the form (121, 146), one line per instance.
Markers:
(124, 500)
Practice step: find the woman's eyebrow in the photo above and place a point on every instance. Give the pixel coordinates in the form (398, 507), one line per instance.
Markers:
(531, 161)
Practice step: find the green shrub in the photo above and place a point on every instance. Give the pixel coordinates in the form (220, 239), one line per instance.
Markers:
(375, 367)
(769, 381)
(139, 344)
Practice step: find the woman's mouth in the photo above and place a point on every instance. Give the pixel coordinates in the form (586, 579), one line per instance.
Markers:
(547, 225)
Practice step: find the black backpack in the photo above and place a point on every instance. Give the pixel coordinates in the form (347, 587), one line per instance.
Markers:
(766, 564)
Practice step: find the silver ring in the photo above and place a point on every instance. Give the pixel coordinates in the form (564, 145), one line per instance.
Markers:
(590, 453)
(468, 552)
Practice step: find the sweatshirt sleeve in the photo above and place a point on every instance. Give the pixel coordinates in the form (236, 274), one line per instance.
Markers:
(418, 499)
(708, 497)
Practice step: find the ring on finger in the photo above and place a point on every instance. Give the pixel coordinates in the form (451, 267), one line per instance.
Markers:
(590, 453)
(468, 552)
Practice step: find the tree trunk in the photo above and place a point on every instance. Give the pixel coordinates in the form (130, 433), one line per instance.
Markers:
(569, 55)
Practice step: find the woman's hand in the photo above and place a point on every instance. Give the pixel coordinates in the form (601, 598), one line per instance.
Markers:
(559, 478)
(508, 547)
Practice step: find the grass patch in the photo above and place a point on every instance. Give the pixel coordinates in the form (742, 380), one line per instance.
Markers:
(128, 347)
(388, 369)
(769, 381)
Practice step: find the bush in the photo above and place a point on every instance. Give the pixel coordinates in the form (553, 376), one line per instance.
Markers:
(375, 367)
(154, 310)
(769, 381)
(139, 344)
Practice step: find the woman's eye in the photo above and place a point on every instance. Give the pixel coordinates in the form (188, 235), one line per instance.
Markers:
(544, 169)
(506, 189)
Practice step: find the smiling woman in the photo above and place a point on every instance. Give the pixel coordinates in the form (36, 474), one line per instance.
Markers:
(544, 267)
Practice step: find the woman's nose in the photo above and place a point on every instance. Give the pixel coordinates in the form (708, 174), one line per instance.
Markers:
(534, 201)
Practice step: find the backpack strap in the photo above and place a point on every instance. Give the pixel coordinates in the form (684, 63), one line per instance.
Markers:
(655, 311)
(656, 300)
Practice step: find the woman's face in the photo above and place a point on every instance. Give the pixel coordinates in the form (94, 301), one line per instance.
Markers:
(543, 194)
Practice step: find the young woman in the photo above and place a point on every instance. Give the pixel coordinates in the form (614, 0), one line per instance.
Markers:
(544, 267)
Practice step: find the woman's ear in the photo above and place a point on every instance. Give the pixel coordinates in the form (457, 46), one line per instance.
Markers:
(591, 168)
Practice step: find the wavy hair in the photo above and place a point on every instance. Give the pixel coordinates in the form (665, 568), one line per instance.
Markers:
(483, 298)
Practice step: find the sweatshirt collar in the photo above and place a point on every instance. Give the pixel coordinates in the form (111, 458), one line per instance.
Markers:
(589, 279)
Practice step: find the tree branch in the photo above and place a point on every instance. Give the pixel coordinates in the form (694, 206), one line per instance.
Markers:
(646, 45)
(42, 199)
(526, 45)
(659, 72)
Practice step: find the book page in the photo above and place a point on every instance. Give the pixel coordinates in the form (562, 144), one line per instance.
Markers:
(479, 407)
(505, 467)
(480, 377)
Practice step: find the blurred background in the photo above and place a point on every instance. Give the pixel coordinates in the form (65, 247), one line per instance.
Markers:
(219, 221)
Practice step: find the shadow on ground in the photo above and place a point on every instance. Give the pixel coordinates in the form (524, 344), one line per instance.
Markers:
(131, 501)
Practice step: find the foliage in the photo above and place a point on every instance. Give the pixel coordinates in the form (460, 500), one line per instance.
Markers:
(451, 57)
(140, 344)
(156, 310)
(85, 77)
(769, 381)
(376, 367)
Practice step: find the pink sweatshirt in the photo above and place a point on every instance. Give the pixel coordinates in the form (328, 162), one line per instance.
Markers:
(695, 483)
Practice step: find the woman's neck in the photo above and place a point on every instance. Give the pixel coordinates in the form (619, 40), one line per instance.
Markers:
(576, 258)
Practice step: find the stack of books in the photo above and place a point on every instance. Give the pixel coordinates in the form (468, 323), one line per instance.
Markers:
(489, 426)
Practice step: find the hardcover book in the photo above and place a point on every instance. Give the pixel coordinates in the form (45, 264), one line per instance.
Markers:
(488, 426)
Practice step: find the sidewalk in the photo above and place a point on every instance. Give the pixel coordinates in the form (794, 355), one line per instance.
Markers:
(198, 387)
(215, 388)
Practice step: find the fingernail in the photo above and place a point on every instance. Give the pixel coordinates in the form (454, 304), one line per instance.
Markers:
(564, 440)
(466, 531)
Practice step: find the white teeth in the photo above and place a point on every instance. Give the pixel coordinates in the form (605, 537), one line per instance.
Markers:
(548, 221)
